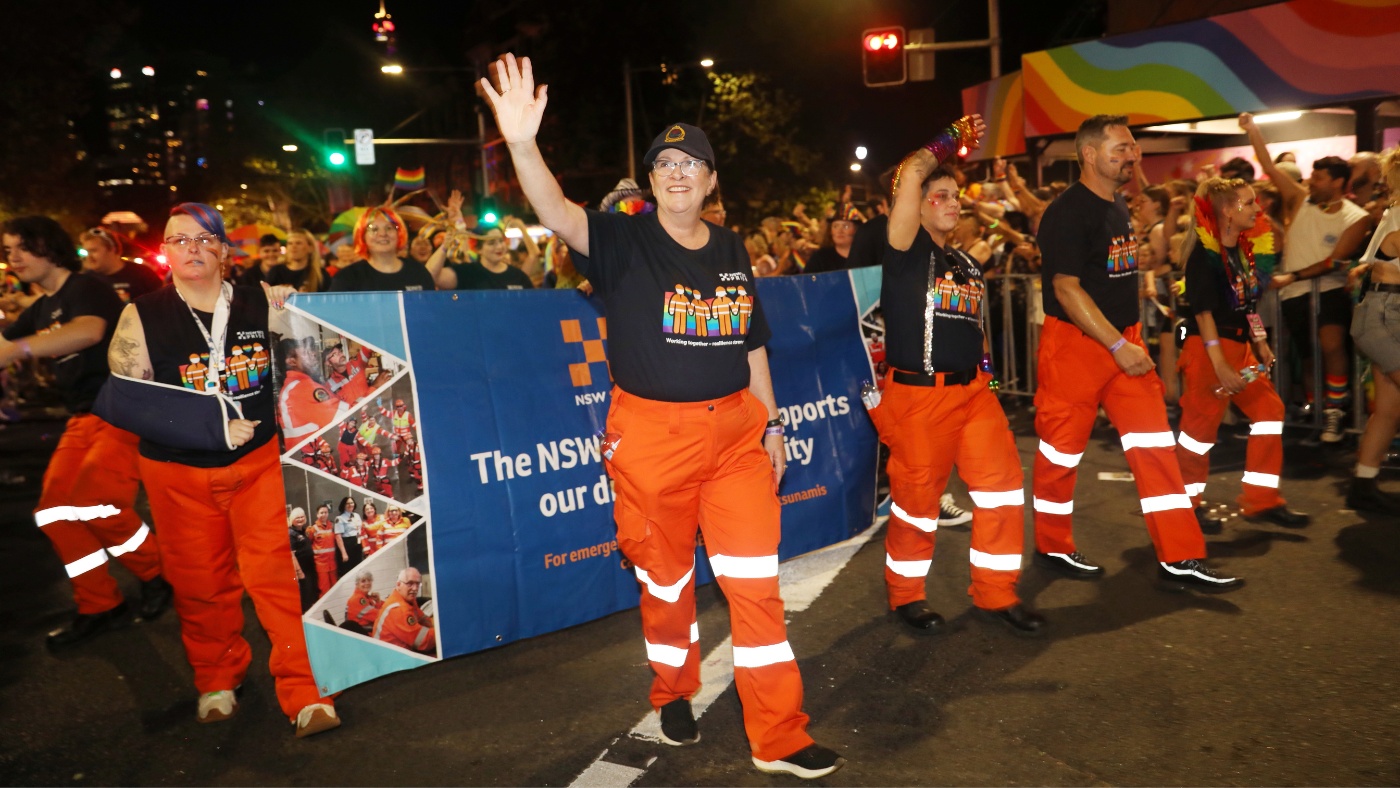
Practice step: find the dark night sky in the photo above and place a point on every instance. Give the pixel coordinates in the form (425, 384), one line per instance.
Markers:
(315, 61)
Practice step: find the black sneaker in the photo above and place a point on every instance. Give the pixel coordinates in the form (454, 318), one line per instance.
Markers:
(1070, 564)
(1282, 515)
(809, 763)
(949, 513)
(86, 626)
(1365, 496)
(921, 618)
(1209, 525)
(1017, 618)
(678, 723)
(1196, 574)
(155, 598)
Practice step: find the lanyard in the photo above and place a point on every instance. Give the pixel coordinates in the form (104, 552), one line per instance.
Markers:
(215, 375)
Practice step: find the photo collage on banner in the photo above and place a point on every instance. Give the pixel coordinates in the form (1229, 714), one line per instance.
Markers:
(353, 471)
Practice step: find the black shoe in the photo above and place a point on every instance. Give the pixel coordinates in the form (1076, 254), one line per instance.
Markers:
(155, 598)
(678, 723)
(809, 763)
(1209, 525)
(1020, 620)
(86, 626)
(1070, 565)
(1195, 574)
(921, 617)
(1282, 515)
(1365, 496)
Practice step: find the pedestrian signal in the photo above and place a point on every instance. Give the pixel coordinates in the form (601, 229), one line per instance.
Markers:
(882, 56)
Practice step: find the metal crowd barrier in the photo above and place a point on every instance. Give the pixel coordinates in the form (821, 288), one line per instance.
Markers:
(1017, 367)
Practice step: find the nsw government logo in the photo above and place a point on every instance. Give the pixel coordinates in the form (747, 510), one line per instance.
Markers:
(581, 373)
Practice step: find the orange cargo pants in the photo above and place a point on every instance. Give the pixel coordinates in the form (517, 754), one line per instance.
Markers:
(679, 464)
(1201, 411)
(226, 532)
(929, 430)
(87, 510)
(1076, 376)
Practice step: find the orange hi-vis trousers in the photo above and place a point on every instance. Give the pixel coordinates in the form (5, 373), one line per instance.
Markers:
(928, 430)
(677, 464)
(1201, 411)
(224, 530)
(87, 510)
(1076, 376)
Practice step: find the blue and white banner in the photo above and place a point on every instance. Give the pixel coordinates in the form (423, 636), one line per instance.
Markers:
(506, 394)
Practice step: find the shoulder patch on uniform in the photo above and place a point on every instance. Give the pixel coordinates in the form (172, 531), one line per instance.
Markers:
(411, 621)
(320, 394)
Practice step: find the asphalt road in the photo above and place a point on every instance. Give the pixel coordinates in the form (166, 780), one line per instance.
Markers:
(1291, 680)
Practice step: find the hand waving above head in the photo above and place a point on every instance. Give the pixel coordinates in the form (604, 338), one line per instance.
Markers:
(517, 105)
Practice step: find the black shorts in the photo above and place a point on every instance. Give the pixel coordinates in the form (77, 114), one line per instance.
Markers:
(1334, 309)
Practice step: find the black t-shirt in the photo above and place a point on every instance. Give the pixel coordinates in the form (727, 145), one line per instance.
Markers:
(180, 357)
(252, 276)
(80, 375)
(1208, 290)
(826, 259)
(362, 277)
(954, 289)
(132, 282)
(473, 276)
(1085, 236)
(681, 322)
(869, 246)
(282, 275)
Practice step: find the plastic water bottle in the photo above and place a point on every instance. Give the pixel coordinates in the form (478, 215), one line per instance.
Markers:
(870, 395)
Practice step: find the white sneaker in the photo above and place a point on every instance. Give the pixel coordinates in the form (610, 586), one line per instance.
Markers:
(1332, 430)
(316, 718)
(949, 513)
(217, 706)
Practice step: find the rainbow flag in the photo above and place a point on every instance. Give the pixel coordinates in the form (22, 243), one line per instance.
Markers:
(408, 180)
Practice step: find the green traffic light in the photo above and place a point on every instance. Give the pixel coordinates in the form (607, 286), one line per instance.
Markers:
(489, 217)
(336, 159)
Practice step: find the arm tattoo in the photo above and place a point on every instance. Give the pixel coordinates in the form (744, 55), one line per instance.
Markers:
(124, 355)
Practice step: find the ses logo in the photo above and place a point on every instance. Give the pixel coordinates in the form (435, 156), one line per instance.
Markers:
(595, 359)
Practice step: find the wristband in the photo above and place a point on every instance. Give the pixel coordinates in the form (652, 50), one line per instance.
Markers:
(1212, 343)
(778, 430)
(1120, 343)
(995, 224)
(23, 345)
(946, 144)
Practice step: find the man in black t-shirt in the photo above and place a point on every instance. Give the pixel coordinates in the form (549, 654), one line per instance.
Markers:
(87, 507)
(492, 271)
(937, 408)
(1092, 354)
(104, 258)
(686, 440)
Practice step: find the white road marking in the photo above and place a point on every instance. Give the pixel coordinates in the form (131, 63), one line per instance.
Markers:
(802, 580)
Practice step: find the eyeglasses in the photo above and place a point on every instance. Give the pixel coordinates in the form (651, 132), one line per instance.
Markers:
(375, 229)
(688, 167)
(199, 242)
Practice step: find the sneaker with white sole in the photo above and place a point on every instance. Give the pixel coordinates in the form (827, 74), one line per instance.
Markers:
(809, 763)
(1332, 425)
(217, 706)
(949, 513)
(678, 727)
(316, 718)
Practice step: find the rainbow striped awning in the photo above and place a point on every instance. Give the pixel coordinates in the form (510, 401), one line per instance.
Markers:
(408, 180)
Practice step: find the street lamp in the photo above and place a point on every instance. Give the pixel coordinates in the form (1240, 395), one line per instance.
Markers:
(861, 152)
(707, 63)
(289, 148)
(391, 68)
(855, 166)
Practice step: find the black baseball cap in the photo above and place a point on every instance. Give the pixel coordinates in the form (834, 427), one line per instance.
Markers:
(682, 137)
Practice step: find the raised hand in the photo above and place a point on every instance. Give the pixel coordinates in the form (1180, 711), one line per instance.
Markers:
(454, 206)
(1246, 121)
(518, 106)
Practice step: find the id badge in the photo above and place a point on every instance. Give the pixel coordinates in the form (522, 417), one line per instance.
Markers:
(1256, 327)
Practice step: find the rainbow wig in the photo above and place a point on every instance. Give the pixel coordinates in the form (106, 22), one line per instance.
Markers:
(362, 248)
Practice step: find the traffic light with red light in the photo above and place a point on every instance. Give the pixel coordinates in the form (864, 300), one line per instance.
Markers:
(882, 56)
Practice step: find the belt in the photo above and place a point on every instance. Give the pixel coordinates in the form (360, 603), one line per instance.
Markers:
(936, 379)
(1382, 287)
